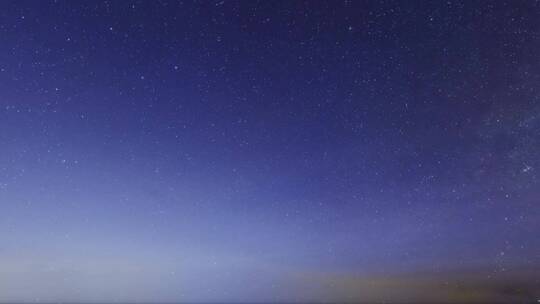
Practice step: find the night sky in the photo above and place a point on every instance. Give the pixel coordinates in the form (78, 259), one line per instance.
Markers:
(270, 151)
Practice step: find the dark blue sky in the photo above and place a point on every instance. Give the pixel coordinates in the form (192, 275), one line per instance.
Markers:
(269, 151)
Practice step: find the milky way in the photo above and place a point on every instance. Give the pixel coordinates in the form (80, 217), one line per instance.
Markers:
(269, 151)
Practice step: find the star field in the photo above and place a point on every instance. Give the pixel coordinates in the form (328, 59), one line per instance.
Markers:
(270, 151)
